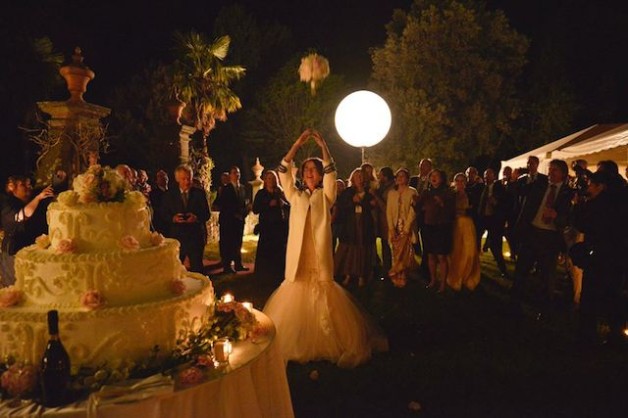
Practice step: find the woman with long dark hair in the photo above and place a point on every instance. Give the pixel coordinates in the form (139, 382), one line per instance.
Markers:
(316, 319)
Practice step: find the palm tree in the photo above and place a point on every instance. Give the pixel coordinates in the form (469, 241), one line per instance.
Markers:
(202, 81)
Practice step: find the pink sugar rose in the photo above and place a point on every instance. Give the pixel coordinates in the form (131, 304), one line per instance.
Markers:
(10, 296)
(130, 243)
(191, 376)
(65, 246)
(19, 379)
(92, 299)
(177, 287)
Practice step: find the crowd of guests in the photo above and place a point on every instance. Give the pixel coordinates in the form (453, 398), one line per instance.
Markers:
(428, 226)
(546, 219)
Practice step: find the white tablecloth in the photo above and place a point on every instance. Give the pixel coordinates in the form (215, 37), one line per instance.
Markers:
(255, 386)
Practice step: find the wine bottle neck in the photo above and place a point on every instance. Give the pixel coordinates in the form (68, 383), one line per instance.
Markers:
(54, 337)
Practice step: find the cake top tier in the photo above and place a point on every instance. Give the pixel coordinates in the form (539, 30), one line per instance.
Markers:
(100, 214)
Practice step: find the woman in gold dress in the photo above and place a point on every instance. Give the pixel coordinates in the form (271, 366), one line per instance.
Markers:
(464, 264)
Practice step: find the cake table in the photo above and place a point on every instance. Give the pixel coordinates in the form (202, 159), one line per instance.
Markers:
(253, 385)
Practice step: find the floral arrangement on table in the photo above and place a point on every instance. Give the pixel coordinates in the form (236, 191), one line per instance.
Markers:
(100, 184)
(191, 362)
(231, 320)
(18, 380)
(314, 69)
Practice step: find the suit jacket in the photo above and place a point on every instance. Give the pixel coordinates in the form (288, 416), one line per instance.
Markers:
(534, 199)
(474, 192)
(172, 203)
(233, 204)
(500, 208)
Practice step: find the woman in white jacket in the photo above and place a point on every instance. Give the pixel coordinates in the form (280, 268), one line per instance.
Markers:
(315, 318)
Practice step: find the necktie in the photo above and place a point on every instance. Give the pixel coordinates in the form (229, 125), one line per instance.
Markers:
(184, 196)
(549, 202)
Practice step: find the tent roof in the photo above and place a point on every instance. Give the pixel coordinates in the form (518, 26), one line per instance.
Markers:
(590, 140)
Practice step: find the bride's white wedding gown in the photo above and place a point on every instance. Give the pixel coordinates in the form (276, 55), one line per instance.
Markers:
(317, 319)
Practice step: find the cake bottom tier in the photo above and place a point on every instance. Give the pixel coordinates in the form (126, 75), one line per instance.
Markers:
(113, 336)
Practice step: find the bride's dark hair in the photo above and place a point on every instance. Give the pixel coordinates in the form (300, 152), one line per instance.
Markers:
(318, 164)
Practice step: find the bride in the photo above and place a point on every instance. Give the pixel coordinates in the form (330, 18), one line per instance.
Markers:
(316, 319)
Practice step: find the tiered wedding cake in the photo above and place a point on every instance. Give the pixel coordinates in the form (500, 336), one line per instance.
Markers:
(120, 290)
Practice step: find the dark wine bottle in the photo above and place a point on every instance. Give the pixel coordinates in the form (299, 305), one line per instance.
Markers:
(55, 367)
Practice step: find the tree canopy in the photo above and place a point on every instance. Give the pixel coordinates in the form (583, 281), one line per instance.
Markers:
(448, 69)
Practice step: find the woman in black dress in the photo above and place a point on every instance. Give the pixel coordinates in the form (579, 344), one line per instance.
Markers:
(272, 207)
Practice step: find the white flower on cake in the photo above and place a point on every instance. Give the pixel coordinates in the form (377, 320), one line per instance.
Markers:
(42, 241)
(177, 287)
(92, 299)
(156, 239)
(65, 246)
(10, 296)
(100, 184)
(129, 243)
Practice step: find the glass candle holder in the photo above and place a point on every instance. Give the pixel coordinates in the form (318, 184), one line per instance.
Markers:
(222, 350)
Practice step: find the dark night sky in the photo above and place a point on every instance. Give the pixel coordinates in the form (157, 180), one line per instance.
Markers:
(120, 38)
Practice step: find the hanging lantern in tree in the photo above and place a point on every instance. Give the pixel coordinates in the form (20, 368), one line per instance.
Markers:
(314, 69)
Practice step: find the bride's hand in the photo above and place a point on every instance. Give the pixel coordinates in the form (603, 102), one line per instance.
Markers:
(303, 138)
(318, 138)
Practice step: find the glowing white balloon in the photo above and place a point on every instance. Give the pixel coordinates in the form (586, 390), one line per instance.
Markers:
(363, 119)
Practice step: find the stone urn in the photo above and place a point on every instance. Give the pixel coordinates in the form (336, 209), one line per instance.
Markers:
(77, 75)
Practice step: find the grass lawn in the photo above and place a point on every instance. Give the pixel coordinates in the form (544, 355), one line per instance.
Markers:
(457, 354)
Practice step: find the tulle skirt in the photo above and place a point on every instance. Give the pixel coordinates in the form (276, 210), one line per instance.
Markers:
(464, 262)
(319, 320)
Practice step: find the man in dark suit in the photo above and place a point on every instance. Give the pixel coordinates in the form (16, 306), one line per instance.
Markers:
(474, 190)
(421, 182)
(185, 210)
(491, 214)
(234, 204)
(543, 217)
(531, 179)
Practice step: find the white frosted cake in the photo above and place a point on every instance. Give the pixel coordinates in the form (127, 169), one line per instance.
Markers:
(120, 290)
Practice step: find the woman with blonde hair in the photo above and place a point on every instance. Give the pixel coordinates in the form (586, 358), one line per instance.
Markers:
(401, 218)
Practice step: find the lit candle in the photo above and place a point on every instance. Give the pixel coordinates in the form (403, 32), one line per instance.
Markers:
(248, 306)
(227, 297)
(222, 349)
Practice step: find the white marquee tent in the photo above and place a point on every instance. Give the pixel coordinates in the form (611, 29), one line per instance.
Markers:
(593, 144)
